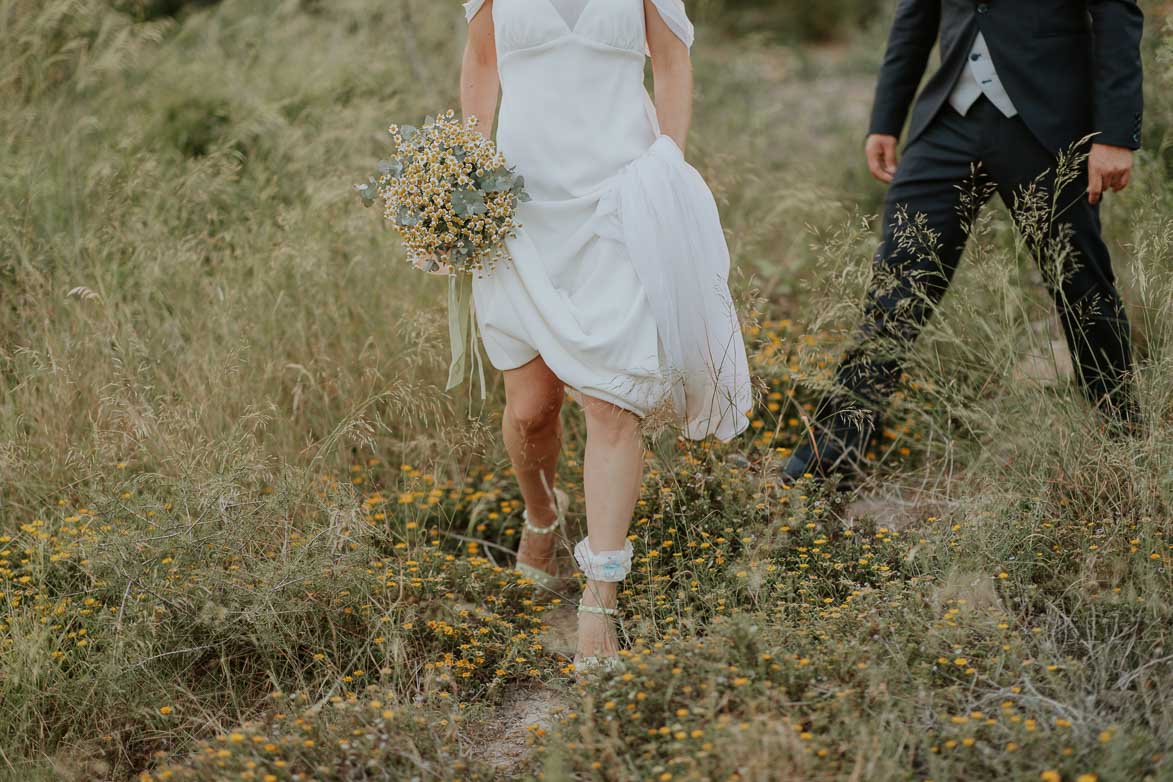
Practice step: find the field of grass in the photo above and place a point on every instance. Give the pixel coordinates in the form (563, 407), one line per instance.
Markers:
(244, 535)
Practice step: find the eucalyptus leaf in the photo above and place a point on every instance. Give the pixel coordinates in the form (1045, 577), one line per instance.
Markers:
(518, 190)
(407, 217)
(368, 192)
(498, 180)
(392, 168)
(466, 203)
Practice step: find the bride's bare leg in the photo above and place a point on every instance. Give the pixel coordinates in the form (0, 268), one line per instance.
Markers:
(612, 473)
(532, 428)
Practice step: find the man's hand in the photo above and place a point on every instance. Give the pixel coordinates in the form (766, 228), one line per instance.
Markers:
(1108, 168)
(881, 152)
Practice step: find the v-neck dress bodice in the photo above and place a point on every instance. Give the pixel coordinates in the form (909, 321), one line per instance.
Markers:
(570, 10)
(556, 80)
(618, 275)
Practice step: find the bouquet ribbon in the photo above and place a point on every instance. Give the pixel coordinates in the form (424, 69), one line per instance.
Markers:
(462, 334)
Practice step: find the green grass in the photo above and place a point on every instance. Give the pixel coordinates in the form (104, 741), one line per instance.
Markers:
(243, 532)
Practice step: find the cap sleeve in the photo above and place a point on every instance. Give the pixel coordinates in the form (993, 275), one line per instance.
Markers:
(674, 15)
(471, 8)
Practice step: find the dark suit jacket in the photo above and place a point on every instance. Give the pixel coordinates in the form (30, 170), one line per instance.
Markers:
(1072, 67)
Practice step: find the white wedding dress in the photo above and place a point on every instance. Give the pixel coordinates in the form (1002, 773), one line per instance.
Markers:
(618, 276)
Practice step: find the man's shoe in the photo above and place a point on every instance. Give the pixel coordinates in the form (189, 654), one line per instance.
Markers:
(837, 450)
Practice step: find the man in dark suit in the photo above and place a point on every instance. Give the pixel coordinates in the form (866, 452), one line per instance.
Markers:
(1020, 82)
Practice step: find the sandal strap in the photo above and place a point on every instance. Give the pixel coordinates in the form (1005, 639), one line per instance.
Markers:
(560, 502)
(536, 530)
(543, 580)
(600, 610)
(588, 665)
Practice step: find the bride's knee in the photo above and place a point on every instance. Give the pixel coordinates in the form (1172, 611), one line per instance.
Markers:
(610, 423)
(533, 415)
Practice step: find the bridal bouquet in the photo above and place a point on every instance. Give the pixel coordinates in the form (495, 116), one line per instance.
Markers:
(453, 200)
(449, 194)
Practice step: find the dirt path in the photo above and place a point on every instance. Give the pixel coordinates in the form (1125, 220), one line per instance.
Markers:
(533, 708)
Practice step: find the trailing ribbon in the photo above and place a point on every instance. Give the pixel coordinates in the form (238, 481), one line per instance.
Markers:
(462, 333)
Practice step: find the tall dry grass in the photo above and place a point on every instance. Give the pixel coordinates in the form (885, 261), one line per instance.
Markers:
(238, 513)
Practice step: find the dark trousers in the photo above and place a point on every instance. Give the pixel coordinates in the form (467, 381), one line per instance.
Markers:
(947, 174)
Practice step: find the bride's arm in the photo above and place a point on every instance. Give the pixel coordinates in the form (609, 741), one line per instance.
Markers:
(478, 72)
(672, 75)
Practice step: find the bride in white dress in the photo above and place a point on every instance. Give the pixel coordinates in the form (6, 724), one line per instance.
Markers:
(617, 287)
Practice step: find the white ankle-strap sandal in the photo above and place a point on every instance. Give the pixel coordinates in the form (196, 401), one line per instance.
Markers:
(609, 567)
(548, 581)
(595, 664)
